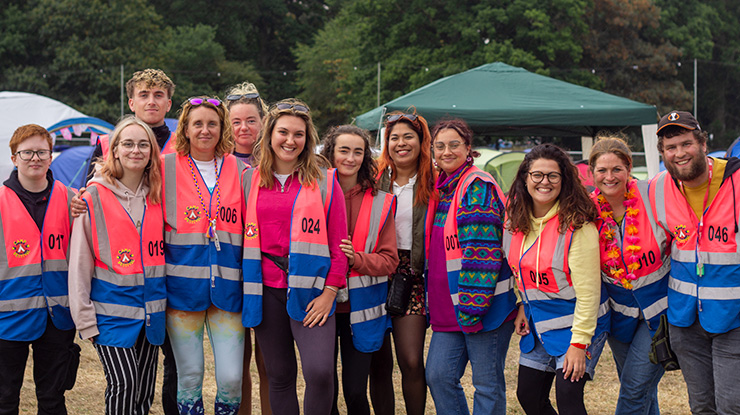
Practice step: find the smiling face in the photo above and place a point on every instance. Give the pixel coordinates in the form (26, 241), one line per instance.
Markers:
(133, 149)
(685, 158)
(611, 175)
(150, 104)
(288, 140)
(203, 132)
(450, 150)
(35, 168)
(404, 145)
(349, 151)
(246, 121)
(544, 194)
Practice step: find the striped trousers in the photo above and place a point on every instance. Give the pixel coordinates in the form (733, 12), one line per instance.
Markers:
(131, 374)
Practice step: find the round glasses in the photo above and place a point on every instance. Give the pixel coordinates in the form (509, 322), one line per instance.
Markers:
(552, 177)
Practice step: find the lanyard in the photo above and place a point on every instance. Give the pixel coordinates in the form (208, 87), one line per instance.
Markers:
(700, 228)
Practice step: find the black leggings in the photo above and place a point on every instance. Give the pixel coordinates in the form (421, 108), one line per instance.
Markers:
(355, 371)
(533, 392)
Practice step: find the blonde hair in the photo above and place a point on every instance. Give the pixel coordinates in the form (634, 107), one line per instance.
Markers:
(309, 163)
(151, 78)
(226, 141)
(243, 89)
(112, 169)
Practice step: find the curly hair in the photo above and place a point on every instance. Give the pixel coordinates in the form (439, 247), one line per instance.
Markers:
(425, 174)
(226, 141)
(576, 207)
(368, 172)
(309, 163)
(112, 169)
(150, 78)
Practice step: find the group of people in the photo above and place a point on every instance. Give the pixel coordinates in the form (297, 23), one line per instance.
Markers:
(236, 223)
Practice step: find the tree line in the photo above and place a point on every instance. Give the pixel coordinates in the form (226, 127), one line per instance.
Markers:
(328, 52)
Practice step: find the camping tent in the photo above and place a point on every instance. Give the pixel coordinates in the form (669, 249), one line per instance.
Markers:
(499, 99)
(20, 108)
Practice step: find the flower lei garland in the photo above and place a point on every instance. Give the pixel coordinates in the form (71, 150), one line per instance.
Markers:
(608, 233)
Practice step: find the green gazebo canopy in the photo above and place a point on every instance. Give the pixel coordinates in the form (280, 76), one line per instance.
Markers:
(499, 99)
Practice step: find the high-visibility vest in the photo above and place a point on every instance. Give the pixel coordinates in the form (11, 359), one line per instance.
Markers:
(128, 287)
(308, 259)
(549, 305)
(33, 266)
(367, 294)
(504, 301)
(649, 293)
(200, 273)
(169, 145)
(715, 295)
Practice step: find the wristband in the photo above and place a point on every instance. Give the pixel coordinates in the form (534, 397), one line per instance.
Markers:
(579, 345)
(335, 290)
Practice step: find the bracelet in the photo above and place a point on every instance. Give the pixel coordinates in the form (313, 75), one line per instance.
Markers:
(579, 345)
(331, 288)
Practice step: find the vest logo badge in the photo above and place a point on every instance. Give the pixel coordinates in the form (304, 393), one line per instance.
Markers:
(192, 214)
(125, 257)
(250, 231)
(21, 248)
(681, 233)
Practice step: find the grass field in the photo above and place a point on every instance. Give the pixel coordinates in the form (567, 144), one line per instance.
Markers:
(601, 394)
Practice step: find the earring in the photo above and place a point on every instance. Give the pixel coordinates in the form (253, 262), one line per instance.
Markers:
(435, 163)
(469, 159)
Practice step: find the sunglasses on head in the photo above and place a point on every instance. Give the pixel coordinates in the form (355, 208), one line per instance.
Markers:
(237, 97)
(197, 101)
(286, 106)
(396, 117)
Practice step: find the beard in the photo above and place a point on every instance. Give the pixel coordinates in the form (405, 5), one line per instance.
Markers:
(697, 167)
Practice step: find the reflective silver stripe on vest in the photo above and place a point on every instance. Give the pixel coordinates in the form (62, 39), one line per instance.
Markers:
(170, 188)
(186, 271)
(229, 274)
(556, 323)
(654, 276)
(658, 232)
(156, 306)
(454, 265)
(660, 198)
(118, 310)
(362, 281)
(557, 262)
(61, 300)
(375, 215)
(253, 288)
(21, 304)
(252, 253)
(9, 273)
(719, 293)
(55, 265)
(307, 282)
(714, 258)
(367, 314)
(655, 308)
(502, 287)
(633, 312)
(103, 242)
(533, 294)
(682, 287)
(199, 238)
(603, 309)
(308, 248)
(131, 280)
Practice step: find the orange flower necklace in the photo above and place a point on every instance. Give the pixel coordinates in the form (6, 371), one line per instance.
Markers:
(608, 234)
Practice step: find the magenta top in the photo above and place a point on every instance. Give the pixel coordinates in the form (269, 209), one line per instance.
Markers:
(441, 311)
(274, 210)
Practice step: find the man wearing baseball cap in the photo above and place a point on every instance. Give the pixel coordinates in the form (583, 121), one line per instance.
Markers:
(698, 201)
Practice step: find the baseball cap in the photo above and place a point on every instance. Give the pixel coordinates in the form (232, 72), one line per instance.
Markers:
(680, 118)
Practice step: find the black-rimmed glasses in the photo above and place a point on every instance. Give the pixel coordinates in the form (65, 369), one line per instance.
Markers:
(27, 155)
(552, 177)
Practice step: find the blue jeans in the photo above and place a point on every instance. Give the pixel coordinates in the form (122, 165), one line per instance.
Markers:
(710, 364)
(539, 359)
(638, 393)
(449, 353)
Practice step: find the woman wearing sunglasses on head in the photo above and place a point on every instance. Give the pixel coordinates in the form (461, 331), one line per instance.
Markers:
(293, 264)
(362, 321)
(471, 301)
(405, 169)
(246, 110)
(203, 249)
(35, 225)
(552, 247)
(117, 272)
(635, 263)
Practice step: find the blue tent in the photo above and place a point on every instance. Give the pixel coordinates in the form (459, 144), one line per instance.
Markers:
(71, 165)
